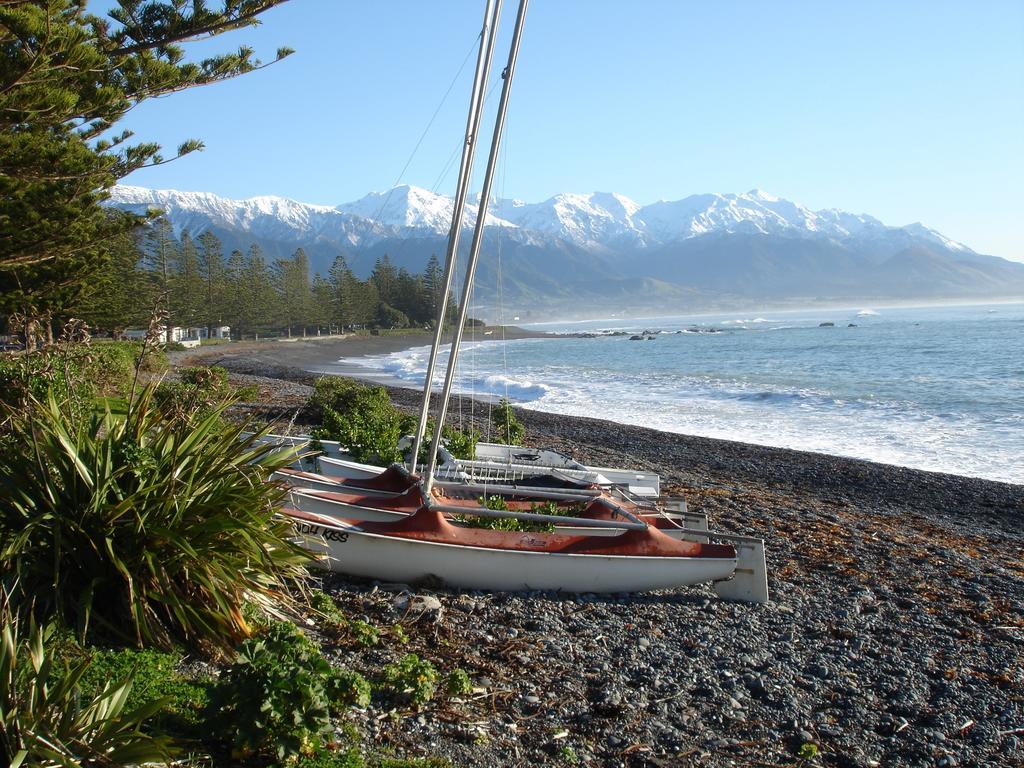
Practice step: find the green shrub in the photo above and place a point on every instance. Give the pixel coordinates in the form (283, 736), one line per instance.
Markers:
(359, 417)
(460, 444)
(807, 751)
(510, 430)
(349, 689)
(413, 679)
(568, 755)
(154, 678)
(276, 697)
(364, 633)
(398, 632)
(195, 394)
(45, 720)
(329, 612)
(349, 757)
(514, 524)
(457, 683)
(248, 393)
(76, 373)
(406, 762)
(154, 530)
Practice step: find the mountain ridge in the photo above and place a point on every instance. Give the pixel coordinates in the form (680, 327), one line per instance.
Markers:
(701, 248)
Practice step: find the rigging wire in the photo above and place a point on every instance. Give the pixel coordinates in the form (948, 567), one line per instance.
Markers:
(426, 130)
(500, 287)
(447, 167)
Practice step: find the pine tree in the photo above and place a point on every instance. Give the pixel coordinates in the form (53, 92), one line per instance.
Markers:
(410, 297)
(385, 279)
(291, 281)
(349, 296)
(160, 260)
(257, 291)
(67, 77)
(320, 309)
(113, 300)
(367, 302)
(212, 273)
(234, 298)
(433, 285)
(188, 283)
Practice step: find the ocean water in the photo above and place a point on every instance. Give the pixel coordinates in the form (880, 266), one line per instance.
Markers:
(939, 388)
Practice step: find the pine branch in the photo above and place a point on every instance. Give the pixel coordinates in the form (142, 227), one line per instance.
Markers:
(208, 25)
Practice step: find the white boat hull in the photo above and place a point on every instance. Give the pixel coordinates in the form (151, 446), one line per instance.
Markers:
(348, 549)
(496, 462)
(351, 470)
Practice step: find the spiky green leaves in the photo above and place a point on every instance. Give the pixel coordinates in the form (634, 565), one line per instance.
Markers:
(44, 719)
(154, 530)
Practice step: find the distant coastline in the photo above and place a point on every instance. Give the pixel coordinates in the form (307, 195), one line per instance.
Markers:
(322, 354)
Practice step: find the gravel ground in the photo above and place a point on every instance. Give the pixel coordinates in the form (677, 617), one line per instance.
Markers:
(895, 634)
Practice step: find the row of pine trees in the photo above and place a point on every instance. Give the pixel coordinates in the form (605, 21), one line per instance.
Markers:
(190, 282)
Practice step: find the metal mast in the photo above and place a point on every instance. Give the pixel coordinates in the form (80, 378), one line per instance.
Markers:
(478, 231)
(492, 11)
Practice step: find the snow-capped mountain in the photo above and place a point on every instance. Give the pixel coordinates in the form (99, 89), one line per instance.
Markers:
(752, 244)
(275, 218)
(599, 220)
(411, 207)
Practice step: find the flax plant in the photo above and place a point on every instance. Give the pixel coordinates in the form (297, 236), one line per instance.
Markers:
(45, 721)
(156, 530)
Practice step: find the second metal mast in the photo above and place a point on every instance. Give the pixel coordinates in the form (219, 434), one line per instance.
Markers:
(492, 11)
(478, 231)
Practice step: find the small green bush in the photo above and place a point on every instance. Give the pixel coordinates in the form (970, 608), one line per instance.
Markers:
(195, 394)
(457, 683)
(248, 393)
(349, 689)
(76, 373)
(460, 444)
(276, 697)
(409, 762)
(412, 679)
(398, 632)
(364, 634)
(568, 755)
(807, 751)
(46, 720)
(512, 524)
(509, 429)
(349, 757)
(154, 678)
(359, 417)
(329, 612)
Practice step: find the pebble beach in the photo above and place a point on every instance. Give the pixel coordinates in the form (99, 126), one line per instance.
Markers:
(895, 633)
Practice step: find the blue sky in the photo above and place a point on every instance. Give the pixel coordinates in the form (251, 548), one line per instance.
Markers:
(909, 111)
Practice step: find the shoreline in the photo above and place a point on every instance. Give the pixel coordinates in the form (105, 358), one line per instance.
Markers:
(313, 354)
(302, 360)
